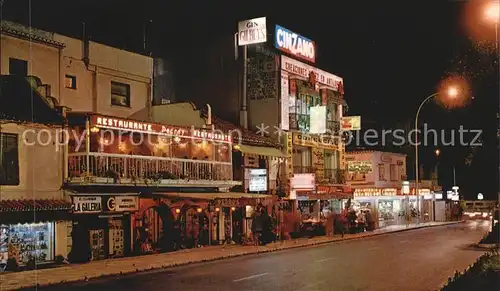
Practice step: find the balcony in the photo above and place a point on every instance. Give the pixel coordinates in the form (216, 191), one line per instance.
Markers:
(104, 168)
(334, 176)
(323, 176)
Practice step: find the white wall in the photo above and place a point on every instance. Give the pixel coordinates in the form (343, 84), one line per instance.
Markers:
(40, 167)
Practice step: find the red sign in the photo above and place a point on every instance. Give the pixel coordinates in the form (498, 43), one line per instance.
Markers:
(153, 128)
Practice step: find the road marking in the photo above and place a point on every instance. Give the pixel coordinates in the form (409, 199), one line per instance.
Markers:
(372, 248)
(324, 259)
(250, 277)
(404, 241)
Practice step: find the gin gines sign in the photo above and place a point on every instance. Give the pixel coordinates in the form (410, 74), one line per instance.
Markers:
(294, 44)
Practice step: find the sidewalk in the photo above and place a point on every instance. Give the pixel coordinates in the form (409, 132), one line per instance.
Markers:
(80, 272)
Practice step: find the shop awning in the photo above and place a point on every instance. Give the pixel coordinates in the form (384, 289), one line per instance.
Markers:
(28, 205)
(261, 151)
(212, 196)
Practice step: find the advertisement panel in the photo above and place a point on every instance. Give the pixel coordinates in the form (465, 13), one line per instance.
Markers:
(257, 181)
(294, 44)
(122, 203)
(252, 31)
(87, 204)
(351, 123)
(285, 102)
(323, 141)
(317, 120)
(303, 182)
(303, 71)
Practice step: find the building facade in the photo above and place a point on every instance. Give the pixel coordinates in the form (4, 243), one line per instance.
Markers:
(35, 220)
(379, 180)
(59, 74)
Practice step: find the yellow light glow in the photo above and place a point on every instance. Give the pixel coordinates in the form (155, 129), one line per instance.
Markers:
(94, 129)
(177, 211)
(233, 208)
(217, 209)
(452, 92)
(199, 210)
(122, 147)
(438, 152)
(492, 11)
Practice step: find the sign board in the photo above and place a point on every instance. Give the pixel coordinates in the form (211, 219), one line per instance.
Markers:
(157, 129)
(438, 196)
(303, 182)
(87, 204)
(317, 119)
(406, 188)
(364, 167)
(294, 44)
(122, 203)
(252, 31)
(323, 141)
(257, 180)
(480, 196)
(285, 101)
(351, 123)
(303, 70)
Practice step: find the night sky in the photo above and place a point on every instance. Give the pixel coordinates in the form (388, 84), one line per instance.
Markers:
(391, 54)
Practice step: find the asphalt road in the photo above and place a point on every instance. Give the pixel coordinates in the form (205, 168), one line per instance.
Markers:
(413, 260)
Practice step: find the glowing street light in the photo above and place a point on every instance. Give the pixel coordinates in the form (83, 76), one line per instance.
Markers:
(492, 13)
(452, 93)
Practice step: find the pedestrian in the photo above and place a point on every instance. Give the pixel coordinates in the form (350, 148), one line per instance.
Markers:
(257, 227)
(361, 221)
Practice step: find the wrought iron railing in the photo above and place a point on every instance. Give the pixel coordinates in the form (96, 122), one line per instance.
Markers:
(134, 167)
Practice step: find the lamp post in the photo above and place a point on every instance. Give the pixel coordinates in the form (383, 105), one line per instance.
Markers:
(492, 13)
(452, 93)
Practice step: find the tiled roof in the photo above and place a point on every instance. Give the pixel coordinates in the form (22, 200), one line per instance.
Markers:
(247, 136)
(34, 205)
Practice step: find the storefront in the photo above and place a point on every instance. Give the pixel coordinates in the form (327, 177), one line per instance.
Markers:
(28, 231)
(102, 224)
(389, 207)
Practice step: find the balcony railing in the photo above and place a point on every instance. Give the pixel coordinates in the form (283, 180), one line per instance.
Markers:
(325, 176)
(303, 169)
(140, 169)
(334, 176)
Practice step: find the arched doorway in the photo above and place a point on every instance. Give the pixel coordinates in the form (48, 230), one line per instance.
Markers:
(194, 227)
(156, 231)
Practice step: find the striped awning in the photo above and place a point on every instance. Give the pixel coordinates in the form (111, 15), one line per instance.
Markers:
(261, 151)
(27, 205)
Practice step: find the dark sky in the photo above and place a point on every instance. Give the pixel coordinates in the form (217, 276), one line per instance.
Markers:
(391, 54)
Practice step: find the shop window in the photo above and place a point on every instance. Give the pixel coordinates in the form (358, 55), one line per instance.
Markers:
(70, 82)
(18, 67)
(9, 159)
(381, 172)
(27, 242)
(393, 172)
(120, 94)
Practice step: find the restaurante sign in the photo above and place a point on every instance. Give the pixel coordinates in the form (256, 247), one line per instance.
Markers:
(153, 128)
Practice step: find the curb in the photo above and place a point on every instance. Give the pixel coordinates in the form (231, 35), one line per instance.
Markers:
(229, 256)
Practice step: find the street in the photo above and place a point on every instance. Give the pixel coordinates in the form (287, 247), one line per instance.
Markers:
(412, 260)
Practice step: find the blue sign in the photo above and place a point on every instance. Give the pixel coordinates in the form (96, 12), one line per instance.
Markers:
(294, 44)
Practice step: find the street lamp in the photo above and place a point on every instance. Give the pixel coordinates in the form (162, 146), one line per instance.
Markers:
(492, 13)
(452, 93)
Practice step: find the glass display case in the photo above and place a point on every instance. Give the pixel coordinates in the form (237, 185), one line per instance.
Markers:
(26, 242)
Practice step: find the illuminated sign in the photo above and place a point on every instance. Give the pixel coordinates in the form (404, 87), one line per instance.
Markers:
(252, 31)
(351, 123)
(318, 141)
(294, 44)
(296, 68)
(158, 129)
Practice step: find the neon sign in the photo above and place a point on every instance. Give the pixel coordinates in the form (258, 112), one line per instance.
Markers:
(294, 44)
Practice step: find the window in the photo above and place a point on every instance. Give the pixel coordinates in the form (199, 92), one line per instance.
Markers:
(381, 172)
(120, 94)
(18, 67)
(70, 82)
(9, 159)
(300, 113)
(393, 172)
